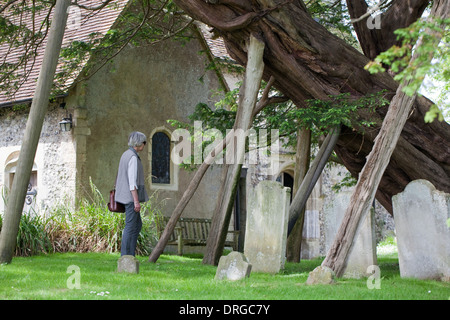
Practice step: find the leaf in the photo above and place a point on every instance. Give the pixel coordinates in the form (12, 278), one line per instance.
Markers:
(433, 113)
(374, 67)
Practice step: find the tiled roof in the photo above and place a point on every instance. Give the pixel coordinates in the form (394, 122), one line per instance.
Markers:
(77, 29)
(80, 29)
(216, 44)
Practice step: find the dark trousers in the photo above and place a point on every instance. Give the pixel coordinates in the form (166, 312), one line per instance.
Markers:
(133, 226)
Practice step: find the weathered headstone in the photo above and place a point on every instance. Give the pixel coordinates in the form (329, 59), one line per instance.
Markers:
(233, 266)
(363, 253)
(423, 237)
(129, 264)
(321, 275)
(266, 227)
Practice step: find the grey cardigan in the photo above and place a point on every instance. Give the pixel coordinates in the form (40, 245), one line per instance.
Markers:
(123, 193)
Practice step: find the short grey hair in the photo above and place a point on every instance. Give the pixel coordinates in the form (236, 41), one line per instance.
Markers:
(136, 139)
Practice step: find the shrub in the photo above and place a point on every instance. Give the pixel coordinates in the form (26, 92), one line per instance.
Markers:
(32, 237)
(90, 228)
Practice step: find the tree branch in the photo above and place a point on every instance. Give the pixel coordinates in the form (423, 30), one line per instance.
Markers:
(400, 14)
(10, 2)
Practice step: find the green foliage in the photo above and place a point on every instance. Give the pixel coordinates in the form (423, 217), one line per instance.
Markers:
(90, 228)
(432, 60)
(322, 115)
(334, 16)
(32, 238)
(319, 115)
(347, 181)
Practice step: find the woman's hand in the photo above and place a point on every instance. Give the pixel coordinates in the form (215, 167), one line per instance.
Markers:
(137, 205)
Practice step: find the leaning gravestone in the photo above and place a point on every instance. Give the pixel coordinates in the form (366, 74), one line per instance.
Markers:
(364, 252)
(233, 266)
(266, 227)
(128, 264)
(423, 237)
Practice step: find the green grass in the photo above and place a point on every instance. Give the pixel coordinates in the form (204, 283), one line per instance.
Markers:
(173, 277)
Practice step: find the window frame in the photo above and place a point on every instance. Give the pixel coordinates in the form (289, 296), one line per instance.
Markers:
(173, 169)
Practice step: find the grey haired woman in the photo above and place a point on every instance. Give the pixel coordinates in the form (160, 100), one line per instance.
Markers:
(130, 190)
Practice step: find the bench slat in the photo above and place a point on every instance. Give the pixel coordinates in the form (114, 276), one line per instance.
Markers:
(194, 232)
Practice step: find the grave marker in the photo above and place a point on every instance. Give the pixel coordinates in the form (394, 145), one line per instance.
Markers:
(266, 227)
(423, 237)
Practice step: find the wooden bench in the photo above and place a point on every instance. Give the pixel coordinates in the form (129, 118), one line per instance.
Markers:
(194, 232)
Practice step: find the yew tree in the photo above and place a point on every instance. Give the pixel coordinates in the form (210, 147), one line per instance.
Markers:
(307, 62)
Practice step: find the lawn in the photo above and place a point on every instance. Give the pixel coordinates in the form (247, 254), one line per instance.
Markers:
(186, 278)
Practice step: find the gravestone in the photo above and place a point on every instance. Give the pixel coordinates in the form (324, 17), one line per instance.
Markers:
(233, 266)
(364, 252)
(129, 264)
(423, 237)
(321, 275)
(266, 226)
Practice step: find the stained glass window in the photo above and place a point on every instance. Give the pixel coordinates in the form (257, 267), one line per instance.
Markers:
(160, 158)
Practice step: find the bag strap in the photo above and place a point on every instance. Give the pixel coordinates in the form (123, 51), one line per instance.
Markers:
(115, 182)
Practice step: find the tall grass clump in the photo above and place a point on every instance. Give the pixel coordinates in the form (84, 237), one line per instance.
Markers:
(32, 237)
(89, 228)
(93, 228)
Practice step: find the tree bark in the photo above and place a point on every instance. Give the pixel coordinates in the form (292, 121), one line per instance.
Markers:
(308, 62)
(193, 185)
(222, 215)
(373, 40)
(187, 195)
(377, 161)
(311, 177)
(33, 129)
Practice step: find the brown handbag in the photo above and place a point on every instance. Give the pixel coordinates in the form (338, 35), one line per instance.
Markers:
(114, 206)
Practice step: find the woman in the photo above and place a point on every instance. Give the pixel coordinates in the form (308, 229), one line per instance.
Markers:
(130, 190)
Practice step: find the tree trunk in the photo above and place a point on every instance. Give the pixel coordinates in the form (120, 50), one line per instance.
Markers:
(187, 195)
(369, 179)
(376, 40)
(221, 219)
(294, 241)
(33, 129)
(377, 161)
(308, 62)
(193, 185)
(311, 177)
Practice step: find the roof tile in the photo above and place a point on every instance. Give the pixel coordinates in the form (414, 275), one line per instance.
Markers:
(78, 28)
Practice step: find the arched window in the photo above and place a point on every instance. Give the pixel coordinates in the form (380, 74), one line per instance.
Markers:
(286, 180)
(10, 172)
(160, 158)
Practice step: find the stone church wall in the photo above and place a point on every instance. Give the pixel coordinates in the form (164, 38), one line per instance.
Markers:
(54, 165)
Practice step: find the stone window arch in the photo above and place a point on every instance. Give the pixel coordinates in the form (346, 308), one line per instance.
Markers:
(164, 174)
(9, 173)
